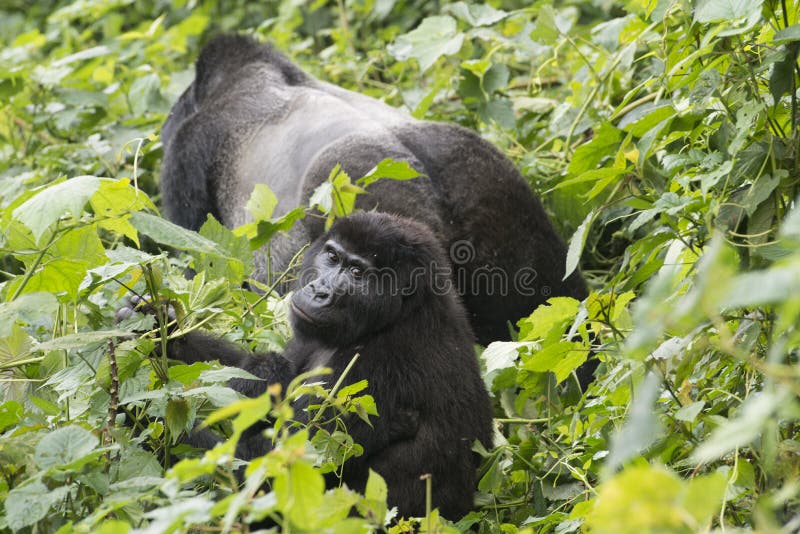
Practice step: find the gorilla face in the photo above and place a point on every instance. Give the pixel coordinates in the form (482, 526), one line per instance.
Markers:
(344, 296)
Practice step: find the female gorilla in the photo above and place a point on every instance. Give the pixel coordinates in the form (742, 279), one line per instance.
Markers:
(251, 116)
(372, 286)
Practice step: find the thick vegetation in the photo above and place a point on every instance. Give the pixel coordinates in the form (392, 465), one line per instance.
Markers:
(663, 137)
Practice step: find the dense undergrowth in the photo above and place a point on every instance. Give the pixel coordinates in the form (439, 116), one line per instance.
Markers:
(663, 137)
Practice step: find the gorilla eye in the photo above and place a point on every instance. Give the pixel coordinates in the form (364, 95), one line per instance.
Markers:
(332, 256)
(357, 271)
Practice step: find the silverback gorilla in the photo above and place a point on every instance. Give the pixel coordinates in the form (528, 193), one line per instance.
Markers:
(251, 116)
(366, 289)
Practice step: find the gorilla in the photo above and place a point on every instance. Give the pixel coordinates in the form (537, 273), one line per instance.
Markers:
(251, 116)
(367, 289)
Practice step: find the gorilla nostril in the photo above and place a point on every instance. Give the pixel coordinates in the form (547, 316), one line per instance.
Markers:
(317, 292)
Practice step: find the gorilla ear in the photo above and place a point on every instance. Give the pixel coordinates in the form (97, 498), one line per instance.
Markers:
(423, 269)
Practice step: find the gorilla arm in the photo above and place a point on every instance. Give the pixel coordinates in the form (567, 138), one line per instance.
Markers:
(271, 367)
(274, 368)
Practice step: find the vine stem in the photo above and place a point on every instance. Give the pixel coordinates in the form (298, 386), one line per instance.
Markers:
(335, 388)
(34, 266)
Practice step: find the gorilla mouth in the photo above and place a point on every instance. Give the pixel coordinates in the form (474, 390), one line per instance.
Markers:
(302, 315)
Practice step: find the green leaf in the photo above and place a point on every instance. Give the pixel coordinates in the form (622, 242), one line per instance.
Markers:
(775, 285)
(145, 95)
(391, 169)
(299, 494)
(576, 244)
(60, 276)
(642, 427)
(548, 321)
(788, 34)
(25, 505)
(112, 203)
(80, 340)
(65, 446)
(128, 361)
(476, 14)
(704, 496)
(177, 417)
(690, 412)
(352, 389)
(604, 144)
(549, 26)
(239, 255)
(647, 498)
(752, 418)
(262, 202)
(560, 358)
(375, 496)
(263, 231)
(30, 308)
(11, 413)
(740, 15)
(780, 81)
(322, 197)
(166, 233)
(437, 36)
(503, 354)
(643, 118)
(55, 201)
(216, 376)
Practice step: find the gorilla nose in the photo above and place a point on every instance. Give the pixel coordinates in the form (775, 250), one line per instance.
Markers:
(319, 292)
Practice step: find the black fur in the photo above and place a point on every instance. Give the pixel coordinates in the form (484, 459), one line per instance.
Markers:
(367, 290)
(253, 116)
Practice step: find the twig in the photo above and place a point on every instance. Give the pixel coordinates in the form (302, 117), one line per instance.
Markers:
(113, 391)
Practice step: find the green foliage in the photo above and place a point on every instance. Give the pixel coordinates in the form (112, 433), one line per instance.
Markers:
(663, 137)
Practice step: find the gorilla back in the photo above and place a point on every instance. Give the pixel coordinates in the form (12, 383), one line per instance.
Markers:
(251, 116)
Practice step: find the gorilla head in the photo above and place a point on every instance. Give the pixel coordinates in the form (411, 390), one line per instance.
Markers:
(367, 273)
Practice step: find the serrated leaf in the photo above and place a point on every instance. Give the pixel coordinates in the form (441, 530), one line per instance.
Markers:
(476, 14)
(30, 308)
(641, 428)
(548, 321)
(172, 235)
(55, 201)
(65, 446)
(729, 10)
(740, 15)
(265, 230)
(11, 413)
(79, 340)
(690, 412)
(59, 276)
(322, 197)
(746, 426)
(177, 417)
(144, 94)
(218, 396)
(788, 34)
(262, 202)
(390, 169)
(375, 495)
(437, 36)
(25, 505)
(560, 358)
(503, 354)
(212, 376)
(299, 494)
(576, 244)
(352, 389)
